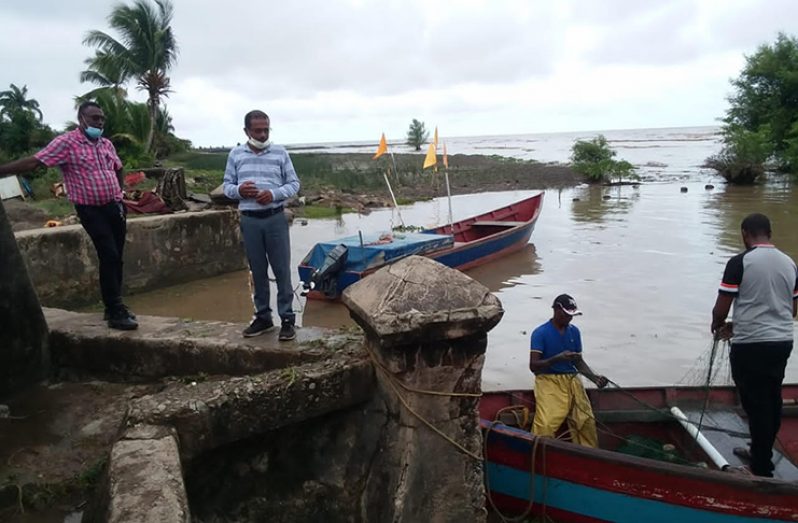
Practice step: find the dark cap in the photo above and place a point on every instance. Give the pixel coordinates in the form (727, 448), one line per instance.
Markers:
(567, 304)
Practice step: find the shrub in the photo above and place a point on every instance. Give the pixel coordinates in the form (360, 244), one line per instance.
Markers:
(595, 159)
(744, 153)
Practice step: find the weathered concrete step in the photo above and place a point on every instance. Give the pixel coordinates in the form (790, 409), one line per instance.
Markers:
(208, 415)
(146, 479)
(176, 347)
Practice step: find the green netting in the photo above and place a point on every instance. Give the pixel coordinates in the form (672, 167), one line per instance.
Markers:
(643, 447)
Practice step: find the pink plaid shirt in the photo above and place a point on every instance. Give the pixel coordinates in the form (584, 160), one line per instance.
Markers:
(89, 168)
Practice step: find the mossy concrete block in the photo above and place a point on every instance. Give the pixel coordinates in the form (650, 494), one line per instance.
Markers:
(417, 299)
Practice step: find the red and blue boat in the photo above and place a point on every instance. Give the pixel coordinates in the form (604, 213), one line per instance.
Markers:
(654, 464)
(330, 267)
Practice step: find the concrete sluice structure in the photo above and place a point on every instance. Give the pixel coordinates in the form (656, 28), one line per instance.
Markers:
(352, 426)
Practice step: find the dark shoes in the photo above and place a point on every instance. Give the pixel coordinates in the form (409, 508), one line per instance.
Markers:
(121, 319)
(107, 314)
(287, 331)
(261, 325)
(258, 327)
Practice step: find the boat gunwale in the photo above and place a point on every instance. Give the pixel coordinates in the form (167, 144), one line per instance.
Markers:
(759, 484)
(463, 246)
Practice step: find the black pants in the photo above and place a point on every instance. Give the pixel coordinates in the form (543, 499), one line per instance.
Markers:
(758, 372)
(107, 227)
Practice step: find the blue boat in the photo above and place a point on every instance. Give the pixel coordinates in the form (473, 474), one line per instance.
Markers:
(330, 267)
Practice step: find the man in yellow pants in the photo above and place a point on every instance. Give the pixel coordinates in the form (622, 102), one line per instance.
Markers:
(556, 359)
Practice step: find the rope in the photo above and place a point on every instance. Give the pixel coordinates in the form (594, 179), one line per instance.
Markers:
(393, 382)
(531, 504)
(408, 388)
(600, 426)
(668, 414)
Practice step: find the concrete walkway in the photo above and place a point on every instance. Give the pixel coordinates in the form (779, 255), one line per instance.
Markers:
(173, 374)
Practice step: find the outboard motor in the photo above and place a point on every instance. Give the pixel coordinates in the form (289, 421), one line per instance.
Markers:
(325, 278)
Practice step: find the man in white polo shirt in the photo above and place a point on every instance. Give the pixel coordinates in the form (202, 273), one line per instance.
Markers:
(762, 282)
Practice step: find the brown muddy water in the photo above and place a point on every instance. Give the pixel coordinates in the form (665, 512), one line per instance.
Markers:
(643, 263)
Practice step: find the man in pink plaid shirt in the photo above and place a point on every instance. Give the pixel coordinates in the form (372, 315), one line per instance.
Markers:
(93, 178)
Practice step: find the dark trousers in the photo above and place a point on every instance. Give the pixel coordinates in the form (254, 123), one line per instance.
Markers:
(107, 226)
(758, 372)
(267, 242)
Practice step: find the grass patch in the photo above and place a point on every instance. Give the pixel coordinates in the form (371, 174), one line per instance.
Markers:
(203, 181)
(41, 184)
(199, 161)
(56, 207)
(317, 211)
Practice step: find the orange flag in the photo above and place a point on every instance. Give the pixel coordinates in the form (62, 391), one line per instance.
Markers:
(382, 149)
(445, 156)
(431, 159)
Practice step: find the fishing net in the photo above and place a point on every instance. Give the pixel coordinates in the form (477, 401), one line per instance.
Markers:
(711, 368)
(644, 447)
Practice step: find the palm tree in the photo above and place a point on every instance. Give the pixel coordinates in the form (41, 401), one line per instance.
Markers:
(16, 99)
(106, 73)
(146, 51)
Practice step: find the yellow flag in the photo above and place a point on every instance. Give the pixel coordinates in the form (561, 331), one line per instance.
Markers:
(431, 158)
(435, 138)
(445, 156)
(382, 149)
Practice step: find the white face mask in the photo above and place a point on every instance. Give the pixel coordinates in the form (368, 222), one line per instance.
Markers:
(257, 144)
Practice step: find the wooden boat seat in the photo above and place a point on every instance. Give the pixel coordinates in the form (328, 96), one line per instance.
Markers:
(488, 223)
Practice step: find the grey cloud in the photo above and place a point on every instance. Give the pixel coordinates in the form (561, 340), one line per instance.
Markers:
(656, 37)
(382, 49)
(680, 31)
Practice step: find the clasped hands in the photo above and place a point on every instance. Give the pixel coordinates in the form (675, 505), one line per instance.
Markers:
(248, 190)
(599, 380)
(723, 332)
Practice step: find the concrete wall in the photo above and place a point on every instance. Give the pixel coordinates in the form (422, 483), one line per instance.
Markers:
(24, 357)
(160, 251)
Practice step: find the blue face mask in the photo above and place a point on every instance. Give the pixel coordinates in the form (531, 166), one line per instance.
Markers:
(93, 132)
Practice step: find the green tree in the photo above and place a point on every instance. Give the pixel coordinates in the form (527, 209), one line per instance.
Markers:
(145, 51)
(417, 134)
(596, 160)
(106, 73)
(21, 133)
(165, 142)
(16, 99)
(764, 105)
(21, 127)
(742, 159)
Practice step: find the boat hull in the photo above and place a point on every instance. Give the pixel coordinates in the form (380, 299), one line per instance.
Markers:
(462, 255)
(574, 483)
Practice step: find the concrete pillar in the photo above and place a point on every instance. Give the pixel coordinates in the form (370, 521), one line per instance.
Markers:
(24, 357)
(426, 325)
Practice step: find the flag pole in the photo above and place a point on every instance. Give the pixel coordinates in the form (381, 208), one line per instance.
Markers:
(396, 206)
(449, 196)
(396, 172)
(448, 188)
(382, 149)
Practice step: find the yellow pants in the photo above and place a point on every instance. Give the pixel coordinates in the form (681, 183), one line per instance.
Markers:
(561, 397)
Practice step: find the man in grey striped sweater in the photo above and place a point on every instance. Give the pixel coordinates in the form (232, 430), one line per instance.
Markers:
(261, 176)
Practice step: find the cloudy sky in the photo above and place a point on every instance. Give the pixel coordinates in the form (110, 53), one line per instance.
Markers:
(341, 70)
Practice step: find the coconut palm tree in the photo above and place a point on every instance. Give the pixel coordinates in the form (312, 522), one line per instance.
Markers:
(145, 51)
(16, 99)
(106, 73)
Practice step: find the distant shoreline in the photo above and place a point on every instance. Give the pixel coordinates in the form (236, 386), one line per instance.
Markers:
(400, 146)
